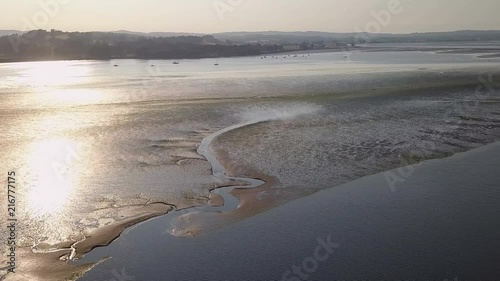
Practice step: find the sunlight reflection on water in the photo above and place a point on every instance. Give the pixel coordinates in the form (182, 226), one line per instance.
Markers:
(52, 164)
(53, 73)
(139, 125)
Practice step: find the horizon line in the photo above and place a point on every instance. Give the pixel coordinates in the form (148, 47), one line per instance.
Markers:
(260, 31)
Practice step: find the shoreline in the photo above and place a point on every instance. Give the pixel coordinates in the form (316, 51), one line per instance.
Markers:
(374, 48)
(12, 60)
(102, 238)
(249, 201)
(363, 216)
(53, 264)
(67, 252)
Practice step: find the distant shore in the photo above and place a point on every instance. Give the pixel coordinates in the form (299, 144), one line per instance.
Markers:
(248, 207)
(15, 60)
(481, 52)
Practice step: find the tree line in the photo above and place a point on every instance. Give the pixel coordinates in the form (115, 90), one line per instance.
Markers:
(58, 45)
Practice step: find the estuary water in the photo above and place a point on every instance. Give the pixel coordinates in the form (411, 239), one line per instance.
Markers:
(94, 142)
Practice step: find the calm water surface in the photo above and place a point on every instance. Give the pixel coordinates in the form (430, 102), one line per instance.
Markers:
(91, 142)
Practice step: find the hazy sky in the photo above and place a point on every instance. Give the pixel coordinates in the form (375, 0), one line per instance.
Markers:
(208, 16)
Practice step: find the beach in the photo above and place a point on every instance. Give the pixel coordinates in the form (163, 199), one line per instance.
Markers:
(438, 224)
(146, 163)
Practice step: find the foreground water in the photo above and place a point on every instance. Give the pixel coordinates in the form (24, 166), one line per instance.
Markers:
(439, 224)
(93, 144)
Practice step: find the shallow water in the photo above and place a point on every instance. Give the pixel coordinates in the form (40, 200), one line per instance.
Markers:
(437, 225)
(91, 142)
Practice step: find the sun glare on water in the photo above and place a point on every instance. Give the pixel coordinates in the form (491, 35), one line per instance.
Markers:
(71, 97)
(54, 166)
(58, 73)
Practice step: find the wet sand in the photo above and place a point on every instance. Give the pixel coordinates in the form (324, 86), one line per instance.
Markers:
(51, 264)
(439, 224)
(257, 200)
(251, 201)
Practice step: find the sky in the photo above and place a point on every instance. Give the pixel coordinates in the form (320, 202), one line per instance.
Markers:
(212, 16)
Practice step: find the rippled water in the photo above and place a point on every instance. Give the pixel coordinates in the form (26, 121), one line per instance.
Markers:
(91, 143)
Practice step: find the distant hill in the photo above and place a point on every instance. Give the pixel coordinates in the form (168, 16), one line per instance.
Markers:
(280, 37)
(59, 45)
(54, 44)
(158, 34)
(277, 37)
(9, 32)
(267, 37)
(465, 35)
(313, 36)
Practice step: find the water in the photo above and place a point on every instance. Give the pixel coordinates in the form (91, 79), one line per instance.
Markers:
(440, 45)
(436, 225)
(93, 143)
